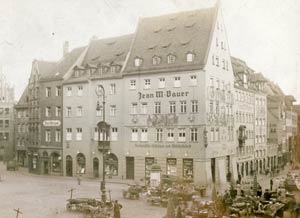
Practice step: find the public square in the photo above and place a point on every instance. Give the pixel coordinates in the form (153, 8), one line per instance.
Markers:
(45, 196)
(40, 196)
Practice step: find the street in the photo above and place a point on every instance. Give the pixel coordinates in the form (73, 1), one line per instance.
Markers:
(45, 196)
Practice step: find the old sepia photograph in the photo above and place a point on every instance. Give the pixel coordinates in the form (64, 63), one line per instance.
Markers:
(149, 109)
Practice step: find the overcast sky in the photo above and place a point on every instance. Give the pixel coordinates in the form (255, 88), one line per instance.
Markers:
(264, 33)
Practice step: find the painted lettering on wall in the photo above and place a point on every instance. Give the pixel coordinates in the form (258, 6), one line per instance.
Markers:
(162, 94)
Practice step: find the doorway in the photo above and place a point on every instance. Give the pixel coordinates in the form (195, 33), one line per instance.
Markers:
(213, 169)
(96, 167)
(46, 167)
(130, 168)
(69, 166)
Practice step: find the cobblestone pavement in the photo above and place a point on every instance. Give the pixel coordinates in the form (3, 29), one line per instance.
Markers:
(45, 196)
(40, 196)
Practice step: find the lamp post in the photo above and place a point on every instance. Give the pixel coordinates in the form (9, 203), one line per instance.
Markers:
(103, 142)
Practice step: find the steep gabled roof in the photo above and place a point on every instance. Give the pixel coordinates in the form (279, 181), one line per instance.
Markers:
(58, 69)
(175, 34)
(23, 100)
(45, 67)
(108, 51)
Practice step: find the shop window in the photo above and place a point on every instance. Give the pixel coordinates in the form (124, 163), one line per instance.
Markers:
(80, 163)
(55, 162)
(171, 166)
(188, 169)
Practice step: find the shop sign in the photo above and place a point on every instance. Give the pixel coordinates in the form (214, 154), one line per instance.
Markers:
(49, 123)
(162, 94)
(179, 145)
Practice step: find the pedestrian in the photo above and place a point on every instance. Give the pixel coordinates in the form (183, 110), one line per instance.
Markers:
(78, 179)
(117, 208)
(179, 214)
(271, 184)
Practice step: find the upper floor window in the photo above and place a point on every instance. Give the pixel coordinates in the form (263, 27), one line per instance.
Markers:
(147, 84)
(112, 90)
(181, 135)
(69, 112)
(156, 60)
(171, 59)
(138, 62)
(69, 134)
(114, 134)
(69, 91)
(172, 107)
(134, 134)
(190, 57)
(183, 107)
(79, 134)
(134, 109)
(48, 91)
(144, 106)
(193, 80)
(58, 91)
(161, 83)
(194, 134)
(58, 111)
(144, 135)
(79, 111)
(159, 135)
(113, 110)
(57, 135)
(132, 84)
(170, 135)
(48, 135)
(80, 90)
(48, 111)
(157, 108)
(194, 106)
(177, 82)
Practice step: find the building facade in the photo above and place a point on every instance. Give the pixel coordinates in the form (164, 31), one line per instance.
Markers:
(169, 103)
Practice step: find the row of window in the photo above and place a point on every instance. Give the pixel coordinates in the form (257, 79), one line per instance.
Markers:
(244, 117)
(245, 150)
(4, 123)
(4, 111)
(215, 134)
(48, 111)
(158, 107)
(48, 135)
(171, 59)
(22, 113)
(48, 91)
(22, 128)
(162, 82)
(216, 62)
(220, 85)
(260, 139)
(214, 108)
(79, 111)
(244, 97)
(260, 122)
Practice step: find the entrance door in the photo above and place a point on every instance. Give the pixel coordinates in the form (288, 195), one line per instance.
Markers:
(96, 167)
(129, 167)
(46, 166)
(213, 169)
(69, 166)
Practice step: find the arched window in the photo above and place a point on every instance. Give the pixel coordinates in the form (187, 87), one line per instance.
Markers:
(156, 60)
(111, 166)
(171, 59)
(80, 163)
(138, 62)
(190, 57)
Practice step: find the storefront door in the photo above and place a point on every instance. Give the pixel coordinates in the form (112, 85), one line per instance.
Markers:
(129, 167)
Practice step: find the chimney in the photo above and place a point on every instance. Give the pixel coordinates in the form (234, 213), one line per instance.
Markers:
(65, 48)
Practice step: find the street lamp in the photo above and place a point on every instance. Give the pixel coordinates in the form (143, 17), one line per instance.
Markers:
(103, 138)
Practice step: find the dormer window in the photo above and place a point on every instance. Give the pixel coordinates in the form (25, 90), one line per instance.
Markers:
(113, 69)
(190, 57)
(156, 60)
(138, 62)
(171, 59)
(76, 73)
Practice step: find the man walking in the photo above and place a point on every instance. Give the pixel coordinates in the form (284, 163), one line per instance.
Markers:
(117, 208)
(271, 184)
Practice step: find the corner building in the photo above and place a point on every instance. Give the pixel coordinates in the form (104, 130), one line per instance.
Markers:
(169, 101)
